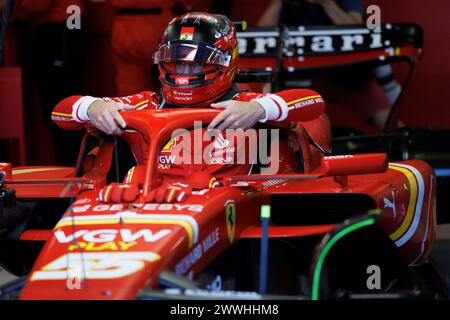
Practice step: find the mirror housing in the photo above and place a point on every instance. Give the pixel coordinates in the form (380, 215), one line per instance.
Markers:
(6, 168)
(354, 164)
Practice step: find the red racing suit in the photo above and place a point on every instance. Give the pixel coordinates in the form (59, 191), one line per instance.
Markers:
(134, 41)
(288, 105)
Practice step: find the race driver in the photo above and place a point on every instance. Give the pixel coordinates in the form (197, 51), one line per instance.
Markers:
(197, 59)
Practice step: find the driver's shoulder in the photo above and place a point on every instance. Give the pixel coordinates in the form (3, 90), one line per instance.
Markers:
(151, 99)
(151, 95)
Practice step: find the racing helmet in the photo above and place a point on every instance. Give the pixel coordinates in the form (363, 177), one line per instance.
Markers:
(197, 59)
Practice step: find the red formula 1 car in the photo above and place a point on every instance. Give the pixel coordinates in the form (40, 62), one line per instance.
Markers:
(338, 226)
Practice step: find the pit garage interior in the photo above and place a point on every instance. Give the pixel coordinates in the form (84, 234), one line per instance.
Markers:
(417, 125)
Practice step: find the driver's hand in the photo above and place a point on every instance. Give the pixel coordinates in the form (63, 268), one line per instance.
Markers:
(105, 116)
(170, 193)
(237, 115)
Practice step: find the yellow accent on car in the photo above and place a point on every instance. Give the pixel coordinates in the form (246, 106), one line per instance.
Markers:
(411, 205)
(25, 171)
(131, 220)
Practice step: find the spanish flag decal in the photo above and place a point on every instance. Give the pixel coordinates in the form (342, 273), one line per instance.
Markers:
(187, 33)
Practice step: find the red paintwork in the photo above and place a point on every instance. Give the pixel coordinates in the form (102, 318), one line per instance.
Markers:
(198, 226)
(36, 235)
(286, 232)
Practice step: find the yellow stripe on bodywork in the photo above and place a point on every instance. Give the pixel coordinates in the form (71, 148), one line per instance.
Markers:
(303, 99)
(211, 182)
(411, 205)
(24, 171)
(181, 223)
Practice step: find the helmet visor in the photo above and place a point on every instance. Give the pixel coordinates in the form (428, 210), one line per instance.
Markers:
(192, 52)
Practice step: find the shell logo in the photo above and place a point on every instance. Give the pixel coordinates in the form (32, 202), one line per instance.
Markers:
(169, 146)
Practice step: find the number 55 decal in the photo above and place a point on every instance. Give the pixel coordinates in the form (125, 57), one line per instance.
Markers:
(96, 265)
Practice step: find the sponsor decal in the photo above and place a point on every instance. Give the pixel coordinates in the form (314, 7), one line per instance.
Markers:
(307, 102)
(187, 33)
(211, 240)
(227, 160)
(182, 98)
(165, 159)
(223, 152)
(108, 246)
(197, 252)
(187, 222)
(80, 209)
(181, 93)
(95, 265)
(220, 142)
(220, 152)
(169, 145)
(182, 81)
(101, 207)
(301, 42)
(391, 204)
(108, 235)
(171, 207)
(230, 216)
(145, 207)
(347, 156)
(243, 146)
(82, 201)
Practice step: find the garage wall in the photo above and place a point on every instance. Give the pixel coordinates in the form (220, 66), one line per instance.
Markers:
(427, 102)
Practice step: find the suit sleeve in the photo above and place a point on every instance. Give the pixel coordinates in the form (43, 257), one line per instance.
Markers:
(71, 113)
(288, 105)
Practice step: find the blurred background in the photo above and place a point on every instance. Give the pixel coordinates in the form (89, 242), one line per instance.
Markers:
(111, 55)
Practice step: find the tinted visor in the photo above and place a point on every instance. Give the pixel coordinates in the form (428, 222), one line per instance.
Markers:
(192, 52)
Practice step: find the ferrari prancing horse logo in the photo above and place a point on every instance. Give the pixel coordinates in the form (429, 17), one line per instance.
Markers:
(230, 214)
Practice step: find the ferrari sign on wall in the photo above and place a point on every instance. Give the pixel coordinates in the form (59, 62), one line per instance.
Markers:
(298, 41)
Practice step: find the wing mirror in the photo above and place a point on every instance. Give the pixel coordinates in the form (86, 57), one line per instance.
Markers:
(354, 164)
(5, 171)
